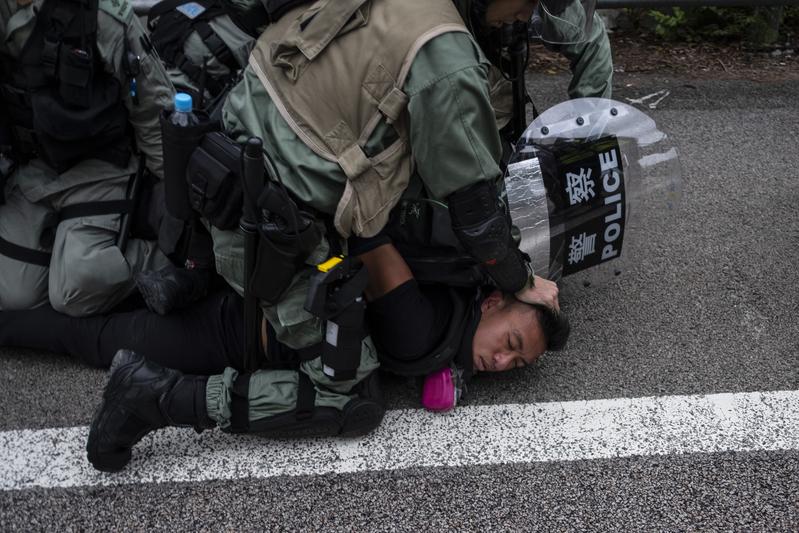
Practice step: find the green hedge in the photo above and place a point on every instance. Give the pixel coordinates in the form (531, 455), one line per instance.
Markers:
(758, 25)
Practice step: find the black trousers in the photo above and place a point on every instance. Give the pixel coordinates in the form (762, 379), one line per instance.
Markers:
(202, 339)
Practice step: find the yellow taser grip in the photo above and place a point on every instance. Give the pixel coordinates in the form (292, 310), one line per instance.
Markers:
(329, 264)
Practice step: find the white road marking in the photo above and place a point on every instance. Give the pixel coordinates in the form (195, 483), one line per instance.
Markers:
(468, 436)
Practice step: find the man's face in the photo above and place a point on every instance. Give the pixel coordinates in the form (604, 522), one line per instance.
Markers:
(508, 335)
(501, 12)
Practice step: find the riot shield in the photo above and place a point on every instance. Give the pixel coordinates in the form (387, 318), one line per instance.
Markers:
(579, 177)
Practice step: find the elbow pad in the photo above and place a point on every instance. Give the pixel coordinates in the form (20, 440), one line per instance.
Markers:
(512, 273)
(483, 228)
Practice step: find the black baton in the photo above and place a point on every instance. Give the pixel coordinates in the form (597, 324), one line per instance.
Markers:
(252, 183)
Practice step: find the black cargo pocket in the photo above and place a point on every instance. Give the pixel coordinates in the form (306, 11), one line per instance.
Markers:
(280, 257)
(214, 174)
(214, 190)
(75, 72)
(69, 134)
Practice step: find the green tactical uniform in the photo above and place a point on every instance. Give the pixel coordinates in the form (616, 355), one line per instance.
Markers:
(87, 272)
(452, 129)
(591, 65)
(590, 61)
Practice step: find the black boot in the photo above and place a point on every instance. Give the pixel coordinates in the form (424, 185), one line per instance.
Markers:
(140, 397)
(365, 412)
(172, 287)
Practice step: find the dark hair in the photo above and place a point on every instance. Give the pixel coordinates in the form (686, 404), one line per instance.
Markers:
(555, 326)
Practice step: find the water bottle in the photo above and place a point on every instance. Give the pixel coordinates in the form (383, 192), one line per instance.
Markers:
(183, 115)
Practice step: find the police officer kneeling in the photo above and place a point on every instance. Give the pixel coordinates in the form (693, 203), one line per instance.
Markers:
(80, 95)
(413, 117)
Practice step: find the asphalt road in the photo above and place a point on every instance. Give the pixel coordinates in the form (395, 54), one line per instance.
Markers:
(709, 306)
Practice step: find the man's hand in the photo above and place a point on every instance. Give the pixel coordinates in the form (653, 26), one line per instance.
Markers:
(544, 292)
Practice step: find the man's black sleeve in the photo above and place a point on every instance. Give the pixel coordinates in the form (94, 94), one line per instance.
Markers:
(408, 322)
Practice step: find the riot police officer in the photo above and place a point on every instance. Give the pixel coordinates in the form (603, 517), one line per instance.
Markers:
(81, 92)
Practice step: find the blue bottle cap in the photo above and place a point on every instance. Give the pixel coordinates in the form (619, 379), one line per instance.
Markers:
(183, 102)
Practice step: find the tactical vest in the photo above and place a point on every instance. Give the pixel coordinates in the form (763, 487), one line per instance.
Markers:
(171, 22)
(61, 104)
(335, 70)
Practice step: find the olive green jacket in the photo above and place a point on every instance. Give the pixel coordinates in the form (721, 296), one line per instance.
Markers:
(590, 61)
(453, 133)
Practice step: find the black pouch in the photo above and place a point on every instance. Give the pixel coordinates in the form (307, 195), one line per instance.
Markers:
(280, 257)
(178, 144)
(75, 73)
(282, 251)
(215, 182)
(275, 267)
(69, 134)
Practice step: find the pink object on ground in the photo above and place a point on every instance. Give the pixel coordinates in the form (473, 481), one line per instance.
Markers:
(440, 392)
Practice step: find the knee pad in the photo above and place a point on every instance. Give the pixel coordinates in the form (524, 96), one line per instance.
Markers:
(359, 416)
(88, 273)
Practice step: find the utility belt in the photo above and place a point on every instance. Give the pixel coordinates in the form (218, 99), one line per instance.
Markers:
(208, 174)
(201, 172)
(285, 237)
(204, 174)
(279, 239)
(336, 291)
(201, 178)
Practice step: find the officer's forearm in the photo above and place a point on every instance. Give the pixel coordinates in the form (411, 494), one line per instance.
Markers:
(512, 273)
(591, 64)
(483, 229)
